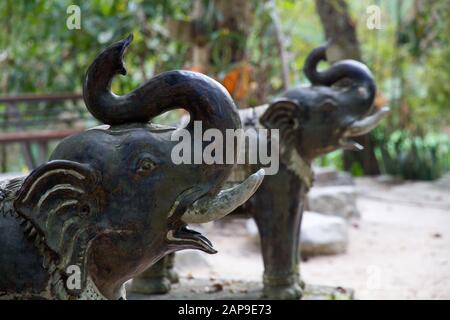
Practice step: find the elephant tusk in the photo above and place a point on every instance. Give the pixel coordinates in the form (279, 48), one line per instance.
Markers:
(350, 145)
(361, 127)
(210, 208)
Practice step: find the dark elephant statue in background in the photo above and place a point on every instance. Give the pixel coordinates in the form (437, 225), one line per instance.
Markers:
(312, 122)
(110, 202)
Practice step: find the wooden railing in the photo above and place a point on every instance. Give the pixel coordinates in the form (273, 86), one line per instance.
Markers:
(18, 127)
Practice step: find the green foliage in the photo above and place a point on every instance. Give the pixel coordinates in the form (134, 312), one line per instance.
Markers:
(303, 30)
(332, 159)
(412, 156)
(38, 53)
(402, 153)
(409, 57)
(263, 54)
(357, 170)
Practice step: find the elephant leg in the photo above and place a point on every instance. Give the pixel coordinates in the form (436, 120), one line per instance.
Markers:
(278, 214)
(281, 273)
(300, 281)
(154, 280)
(300, 209)
(171, 273)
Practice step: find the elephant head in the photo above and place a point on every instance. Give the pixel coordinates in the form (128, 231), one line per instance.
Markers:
(338, 105)
(110, 199)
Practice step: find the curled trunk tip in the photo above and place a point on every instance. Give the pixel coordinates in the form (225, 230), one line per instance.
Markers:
(204, 98)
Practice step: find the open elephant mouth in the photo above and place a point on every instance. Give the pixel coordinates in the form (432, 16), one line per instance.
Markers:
(361, 127)
(189, 239)
(208, 208)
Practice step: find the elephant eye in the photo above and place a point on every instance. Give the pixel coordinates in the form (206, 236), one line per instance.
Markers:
(85, 210)
(145, 165)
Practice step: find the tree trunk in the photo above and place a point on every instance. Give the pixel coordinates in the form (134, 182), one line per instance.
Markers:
(232, 19)
(281, 42)
(340, 30)
(236, 17)
(231, 16)
(200, 49)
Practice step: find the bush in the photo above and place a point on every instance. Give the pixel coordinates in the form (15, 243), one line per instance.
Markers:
(414, 157)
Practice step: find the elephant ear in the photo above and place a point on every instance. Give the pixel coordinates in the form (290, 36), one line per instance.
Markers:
(283, 114)
(63, 199)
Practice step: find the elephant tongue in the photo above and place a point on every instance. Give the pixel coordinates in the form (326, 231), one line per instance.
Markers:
(190, 239)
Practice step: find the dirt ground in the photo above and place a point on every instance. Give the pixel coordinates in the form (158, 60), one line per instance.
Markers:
(399, 249)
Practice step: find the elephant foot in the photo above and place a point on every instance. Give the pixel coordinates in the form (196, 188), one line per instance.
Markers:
(302, 283)
(282, 287)
(173, 276)
(156, 285)
(285, 292)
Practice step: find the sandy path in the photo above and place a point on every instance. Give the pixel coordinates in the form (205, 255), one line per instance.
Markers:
(399, 249)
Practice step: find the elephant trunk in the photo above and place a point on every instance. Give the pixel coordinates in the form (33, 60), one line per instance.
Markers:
(364, 83)
(205, 99)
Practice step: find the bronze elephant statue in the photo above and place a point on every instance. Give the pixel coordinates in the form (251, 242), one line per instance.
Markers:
(312, 121)
(110, 202)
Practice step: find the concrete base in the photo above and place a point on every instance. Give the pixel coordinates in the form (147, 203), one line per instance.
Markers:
(204, 289)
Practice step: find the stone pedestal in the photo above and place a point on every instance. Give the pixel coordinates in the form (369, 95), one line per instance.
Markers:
(213, 289)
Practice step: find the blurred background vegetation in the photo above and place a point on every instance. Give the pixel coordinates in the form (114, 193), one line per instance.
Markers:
(256, 49)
